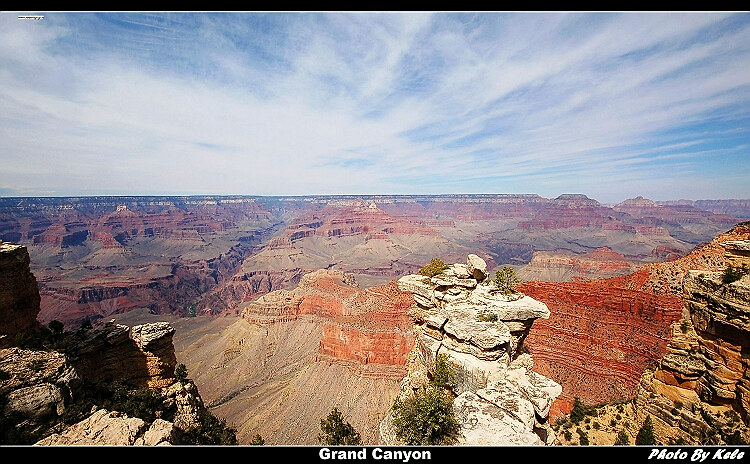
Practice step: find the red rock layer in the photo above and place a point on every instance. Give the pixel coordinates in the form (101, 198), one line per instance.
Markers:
(366, 326)
(603, 334)
(600, 338)
(337, 221)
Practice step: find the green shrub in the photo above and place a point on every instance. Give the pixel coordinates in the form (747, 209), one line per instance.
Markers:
(579, 411)
(425, 418)
(257, 440)
(211, 431)
(684, 326)
(622, 438)
(337, 432)
(487, 316)
(568, 435)
(56, 327)
(181, 373)
(596, 425)
(506, 280)
(436, 266)
(732, 274)
(583, 437)
(443, 374)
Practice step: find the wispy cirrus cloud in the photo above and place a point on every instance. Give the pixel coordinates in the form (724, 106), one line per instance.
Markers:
(611, 105)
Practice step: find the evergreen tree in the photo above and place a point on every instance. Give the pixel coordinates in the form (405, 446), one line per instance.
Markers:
(646, 433)
(578, 412)
(337, 432)
(622, 438)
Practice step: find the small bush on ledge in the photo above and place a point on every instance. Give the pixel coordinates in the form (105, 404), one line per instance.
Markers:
(436, 266)
(487, 316)
(506, 280)
(733, 274)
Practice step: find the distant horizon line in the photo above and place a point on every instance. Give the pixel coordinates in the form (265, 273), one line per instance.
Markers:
(354, 196)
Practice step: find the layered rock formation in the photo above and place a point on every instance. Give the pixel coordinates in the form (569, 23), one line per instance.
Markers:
(142, 355)
(367, 326)
(700, 391)
(43, 391)
(99, 256)
(499, 399)
(565, 267)
(293, 355)
(19, 296)
(603, 334)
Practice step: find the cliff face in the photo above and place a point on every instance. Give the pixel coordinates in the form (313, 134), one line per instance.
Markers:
(367, 326)
(565, 267)
(700, 391)
(499, 400)
(19, 296)
(603, 334)
(43, 391)
(293, 355)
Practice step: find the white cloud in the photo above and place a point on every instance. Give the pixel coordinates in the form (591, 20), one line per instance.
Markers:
(374, 103)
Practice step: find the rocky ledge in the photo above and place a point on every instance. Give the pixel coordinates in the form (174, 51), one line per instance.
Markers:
(700, 391)
(462, 314)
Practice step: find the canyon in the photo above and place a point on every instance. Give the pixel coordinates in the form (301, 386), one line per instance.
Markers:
(98, 256)
(607, 332)
(302, 299)
(113, 385)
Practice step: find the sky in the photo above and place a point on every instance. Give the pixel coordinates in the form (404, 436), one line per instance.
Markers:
(611, 105)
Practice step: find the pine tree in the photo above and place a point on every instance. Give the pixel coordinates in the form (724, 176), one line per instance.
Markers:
(622, 438)
(337, 432)
(646, 433)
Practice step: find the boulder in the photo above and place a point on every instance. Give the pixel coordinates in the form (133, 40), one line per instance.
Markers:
(477, 267)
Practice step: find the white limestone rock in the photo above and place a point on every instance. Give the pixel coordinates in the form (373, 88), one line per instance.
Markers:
(36, 401)
(477, 267)
(101, 428)
(416, 284)
(482, 423)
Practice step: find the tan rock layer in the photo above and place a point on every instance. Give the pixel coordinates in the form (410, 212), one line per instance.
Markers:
(700, 391)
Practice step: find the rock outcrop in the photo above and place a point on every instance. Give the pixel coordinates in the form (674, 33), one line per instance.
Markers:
(604, 334)
(700, 391)
(499, 399)
(19, 296)
(367, 326)
(601, 263)
(115, 429)
(56, 379)
(41, 391)
(142, 355)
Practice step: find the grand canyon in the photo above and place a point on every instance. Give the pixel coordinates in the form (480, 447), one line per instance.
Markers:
(285, 307)
(449, 229)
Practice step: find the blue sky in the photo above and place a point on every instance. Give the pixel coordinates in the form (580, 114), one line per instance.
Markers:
(609, 105)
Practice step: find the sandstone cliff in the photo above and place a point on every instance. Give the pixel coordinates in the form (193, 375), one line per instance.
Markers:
(603, 334)
(499, 399)
(52, 380)
(700, 391)
(295, 354)
(19, 296)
